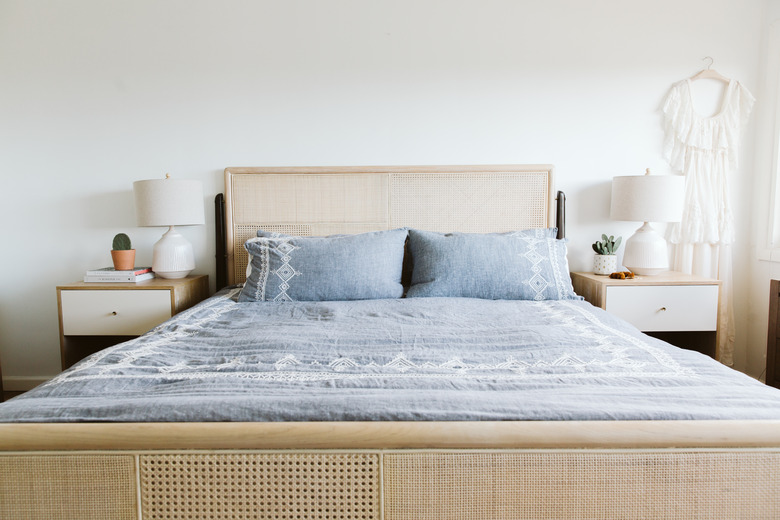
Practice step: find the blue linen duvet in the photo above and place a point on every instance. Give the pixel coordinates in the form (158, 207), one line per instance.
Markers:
(394, 360)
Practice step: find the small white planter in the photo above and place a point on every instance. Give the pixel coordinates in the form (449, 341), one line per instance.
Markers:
(604, 264)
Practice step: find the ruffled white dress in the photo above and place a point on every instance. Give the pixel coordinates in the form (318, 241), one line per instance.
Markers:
(705, 149)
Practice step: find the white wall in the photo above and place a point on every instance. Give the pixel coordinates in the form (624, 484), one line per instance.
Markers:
(97, 94)
(764, 252)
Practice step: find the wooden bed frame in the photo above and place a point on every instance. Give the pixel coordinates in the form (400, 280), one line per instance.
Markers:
(390, 470)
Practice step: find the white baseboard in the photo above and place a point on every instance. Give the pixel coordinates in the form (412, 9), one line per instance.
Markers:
(22, 383)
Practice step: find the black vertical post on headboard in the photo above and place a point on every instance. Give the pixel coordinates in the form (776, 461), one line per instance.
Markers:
(221, 244)
(560, 215)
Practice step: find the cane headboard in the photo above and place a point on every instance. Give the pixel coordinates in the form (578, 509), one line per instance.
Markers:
(311, 201)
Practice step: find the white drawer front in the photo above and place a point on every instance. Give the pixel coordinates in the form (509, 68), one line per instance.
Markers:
(113, 313)
(653, 308)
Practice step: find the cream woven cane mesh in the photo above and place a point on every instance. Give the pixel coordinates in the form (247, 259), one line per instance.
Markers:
(477, 202)
(583, 485)
(303, 205)
(356, 202)
(309, 197)
(79, 487)
(304, 486)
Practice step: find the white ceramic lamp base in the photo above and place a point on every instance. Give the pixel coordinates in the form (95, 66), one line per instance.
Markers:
(646, 252)
(173, 256)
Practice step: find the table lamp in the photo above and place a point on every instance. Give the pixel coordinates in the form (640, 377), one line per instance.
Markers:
(170, 202)
(647, 198)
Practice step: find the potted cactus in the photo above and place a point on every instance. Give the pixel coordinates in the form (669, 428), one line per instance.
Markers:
(122, 253)
(605, 261)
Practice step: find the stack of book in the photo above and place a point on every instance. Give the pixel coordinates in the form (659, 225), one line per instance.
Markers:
(109, 274)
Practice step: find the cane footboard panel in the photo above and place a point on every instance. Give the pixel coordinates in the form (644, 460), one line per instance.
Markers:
(395, 485)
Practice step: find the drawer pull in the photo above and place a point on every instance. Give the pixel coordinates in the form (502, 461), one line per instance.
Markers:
(662, 309)
(113, 313)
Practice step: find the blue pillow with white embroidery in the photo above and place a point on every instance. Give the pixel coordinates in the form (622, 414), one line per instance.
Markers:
(518, 265)
(340, 267)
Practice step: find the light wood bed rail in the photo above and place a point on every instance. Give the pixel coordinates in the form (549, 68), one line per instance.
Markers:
(633, 435)
(389, 470)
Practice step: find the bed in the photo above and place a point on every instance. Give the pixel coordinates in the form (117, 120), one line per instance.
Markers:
(421, 407)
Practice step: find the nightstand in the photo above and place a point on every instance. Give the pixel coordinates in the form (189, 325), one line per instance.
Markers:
(94, 316)
(679, 308)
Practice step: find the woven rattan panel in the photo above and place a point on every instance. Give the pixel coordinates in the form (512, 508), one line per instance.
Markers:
(83, 487)
(303, 198)
(477, 202)
(303, 486)
(583, 485)
(320, 204)
(470, 199)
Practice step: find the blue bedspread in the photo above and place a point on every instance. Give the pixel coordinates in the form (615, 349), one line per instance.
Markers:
(394, 360)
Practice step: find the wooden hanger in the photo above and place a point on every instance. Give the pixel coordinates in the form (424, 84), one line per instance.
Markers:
(709, 73)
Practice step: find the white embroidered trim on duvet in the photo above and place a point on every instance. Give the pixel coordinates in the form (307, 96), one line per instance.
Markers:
(289, 368)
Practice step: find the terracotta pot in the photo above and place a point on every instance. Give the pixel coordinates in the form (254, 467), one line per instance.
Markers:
(124, 260)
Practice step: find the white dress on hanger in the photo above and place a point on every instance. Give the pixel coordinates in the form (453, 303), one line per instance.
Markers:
(706, 149)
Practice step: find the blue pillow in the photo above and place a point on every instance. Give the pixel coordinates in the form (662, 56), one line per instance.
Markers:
(344, 267)
(519, 265)
(275, 234)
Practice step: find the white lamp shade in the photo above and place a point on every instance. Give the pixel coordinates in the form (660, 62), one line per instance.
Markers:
(168, 202)
(648, 198)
